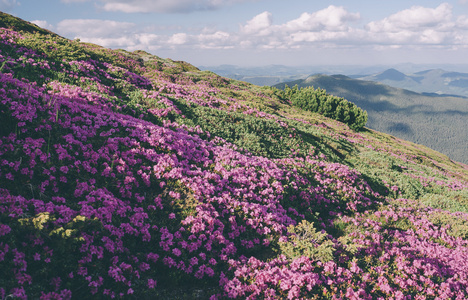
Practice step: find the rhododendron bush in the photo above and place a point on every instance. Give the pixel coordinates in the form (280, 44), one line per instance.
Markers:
(123, 178)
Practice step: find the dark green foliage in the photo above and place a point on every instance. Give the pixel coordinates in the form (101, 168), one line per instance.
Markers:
(317, 100)
(306, 241)
(265, 137)
(8, 122)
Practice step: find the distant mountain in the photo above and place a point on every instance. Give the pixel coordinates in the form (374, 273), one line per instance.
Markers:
(439, 122)
(391, 74)
(432, 79)
(263, 76)
(436, 81)
(274, 74)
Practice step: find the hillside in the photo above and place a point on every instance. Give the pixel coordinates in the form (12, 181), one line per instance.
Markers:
(437, 122)
(435, 81)
(126, 175)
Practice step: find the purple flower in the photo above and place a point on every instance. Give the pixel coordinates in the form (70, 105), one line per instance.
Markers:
(176, 252)
(151, 283)
(4, 229)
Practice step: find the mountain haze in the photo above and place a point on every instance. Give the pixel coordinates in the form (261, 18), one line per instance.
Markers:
(262, 76)
(433, 81)
(392, 75)
(435, 121)
(126, 175)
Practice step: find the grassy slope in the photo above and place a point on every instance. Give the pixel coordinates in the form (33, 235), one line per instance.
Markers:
(168, 174)
(437, 122)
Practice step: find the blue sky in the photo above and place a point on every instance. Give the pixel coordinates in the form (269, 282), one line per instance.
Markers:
(264, 32)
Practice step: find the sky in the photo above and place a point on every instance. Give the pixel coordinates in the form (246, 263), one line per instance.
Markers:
(263, 32)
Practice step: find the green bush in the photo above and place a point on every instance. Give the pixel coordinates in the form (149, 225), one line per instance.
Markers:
(317, 100)
(306, 241)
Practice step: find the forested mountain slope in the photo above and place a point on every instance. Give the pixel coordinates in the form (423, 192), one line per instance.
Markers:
(124, 175)
(437, 122)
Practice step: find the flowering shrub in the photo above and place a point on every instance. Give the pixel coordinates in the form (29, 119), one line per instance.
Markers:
(387, 260)
(121, 178)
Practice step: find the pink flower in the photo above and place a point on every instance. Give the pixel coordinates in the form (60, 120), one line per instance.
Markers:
(176, 252)
(4, 229)
(152, 283)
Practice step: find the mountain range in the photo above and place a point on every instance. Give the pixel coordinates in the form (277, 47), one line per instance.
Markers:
(435, 81)
(127, 175)
(419, 78)
(262, 76)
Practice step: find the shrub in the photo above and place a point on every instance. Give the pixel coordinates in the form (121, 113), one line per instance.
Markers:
(317, 100)
(306, 241)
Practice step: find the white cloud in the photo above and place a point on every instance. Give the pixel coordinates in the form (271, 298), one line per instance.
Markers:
(94, 28)
(430, 36)
(414, 18)
(43, 24)
(204, 40)
(126, 35)
(323, 26)
(332, 18)
(462, 22)
(178, 39)
(216, 40)
(7, 5)
(333, 26)
(148, 39)
(259, 25)
(106, 33)
(314, 37)
(418, 26)
(162, 6)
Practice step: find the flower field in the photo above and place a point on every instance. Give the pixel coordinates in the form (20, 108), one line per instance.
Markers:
(125, 175)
